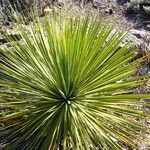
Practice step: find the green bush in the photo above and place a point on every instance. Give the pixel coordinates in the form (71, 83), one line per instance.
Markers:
(139, 6)
(133, 6)
(146, 9)
(72, 87)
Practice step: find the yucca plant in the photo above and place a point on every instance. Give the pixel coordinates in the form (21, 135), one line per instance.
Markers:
(70, 86)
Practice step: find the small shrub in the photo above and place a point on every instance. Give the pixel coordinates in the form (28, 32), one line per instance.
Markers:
(139, 6)
(133, 6)
(146, 9)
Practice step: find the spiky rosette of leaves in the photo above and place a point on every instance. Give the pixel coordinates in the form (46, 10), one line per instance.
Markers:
(70, 87)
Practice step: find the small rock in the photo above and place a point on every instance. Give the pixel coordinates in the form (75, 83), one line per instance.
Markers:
(61, 2)
(144, 70)
(148, 27)
(47, 10)
(2, 40)
(140, 33)
(109, 11)
(132, 38)
(96, 4)
(148, 47)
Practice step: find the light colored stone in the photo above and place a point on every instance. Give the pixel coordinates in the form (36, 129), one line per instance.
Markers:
(140, 33)
(131, 37)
